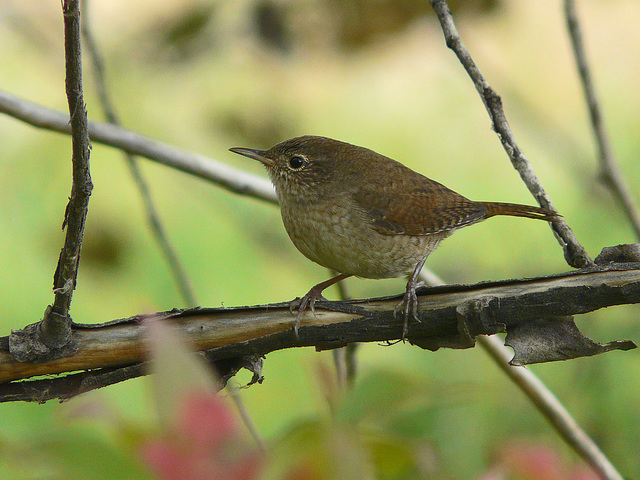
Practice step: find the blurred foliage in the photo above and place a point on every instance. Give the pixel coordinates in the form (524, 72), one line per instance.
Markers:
(382, 428)
(206, 75)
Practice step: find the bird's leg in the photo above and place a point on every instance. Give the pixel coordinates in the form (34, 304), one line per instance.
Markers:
(409, 304)
(309, 300)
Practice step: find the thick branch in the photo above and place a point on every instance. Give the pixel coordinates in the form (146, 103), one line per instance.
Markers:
(575, 254)
(450, 317)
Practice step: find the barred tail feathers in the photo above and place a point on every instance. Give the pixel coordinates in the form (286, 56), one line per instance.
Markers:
(517, 210)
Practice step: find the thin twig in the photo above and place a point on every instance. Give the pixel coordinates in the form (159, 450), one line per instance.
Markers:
(610, 172)
(181, 278)
(230, 178)
(55, 327)
(542, 398)
(574, 253)
(244, 415)
(153, 218)
(551, 408)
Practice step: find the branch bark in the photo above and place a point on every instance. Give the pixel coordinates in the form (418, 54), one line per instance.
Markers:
(76, 213)
(52, 336)
(451, 316)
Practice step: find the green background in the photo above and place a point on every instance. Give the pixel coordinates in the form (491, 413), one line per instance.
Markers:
(197, 76)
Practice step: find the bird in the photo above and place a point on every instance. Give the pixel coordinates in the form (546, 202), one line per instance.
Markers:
(363, 214)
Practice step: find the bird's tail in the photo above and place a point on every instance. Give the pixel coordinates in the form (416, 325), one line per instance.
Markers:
(516, 210)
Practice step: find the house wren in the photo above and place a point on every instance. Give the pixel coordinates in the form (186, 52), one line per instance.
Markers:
(360, 213)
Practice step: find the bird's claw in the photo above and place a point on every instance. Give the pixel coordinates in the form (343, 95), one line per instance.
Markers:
(301, 304)
(408, 307)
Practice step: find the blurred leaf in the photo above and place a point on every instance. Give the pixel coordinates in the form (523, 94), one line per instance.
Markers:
(69, 453)
(270, 20)
(377, 430)
(185, 35)
(200, 438)
(378, 395)
(396, 457)
(176, 370)
(320, 449)
(530, 461)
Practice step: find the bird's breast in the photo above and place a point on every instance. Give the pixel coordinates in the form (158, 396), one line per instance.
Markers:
(337, 234)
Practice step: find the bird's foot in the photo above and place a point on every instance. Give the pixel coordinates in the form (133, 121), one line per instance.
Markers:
(408, 306)
(301, 304)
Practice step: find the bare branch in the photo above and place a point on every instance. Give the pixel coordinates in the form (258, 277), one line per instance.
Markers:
(552, 409)
(610, 172)
(575, 254)
(76, 212)
(450, 317)
(232, 179)
(68, 386)
(543, 399)
(52, 336)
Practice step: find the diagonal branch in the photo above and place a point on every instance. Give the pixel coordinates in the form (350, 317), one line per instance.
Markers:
(610, 172)
(575, 254)
(552, 409)
(544, 400)
(230, 178)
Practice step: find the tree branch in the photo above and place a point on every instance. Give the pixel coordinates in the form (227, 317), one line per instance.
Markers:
(52, 336)
(610, 172)
(76, 213)
(552, 409)
(575, 254)
(232, 179)
(450, 316)
(544, 400)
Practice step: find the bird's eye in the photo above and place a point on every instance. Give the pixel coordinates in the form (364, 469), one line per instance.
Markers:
(296, 162)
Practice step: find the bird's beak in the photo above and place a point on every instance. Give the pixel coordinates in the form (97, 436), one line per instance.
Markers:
(255, 154)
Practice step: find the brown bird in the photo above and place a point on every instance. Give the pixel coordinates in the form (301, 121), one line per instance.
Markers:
(360, 213)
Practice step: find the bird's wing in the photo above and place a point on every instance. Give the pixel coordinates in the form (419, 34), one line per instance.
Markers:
(420, 206)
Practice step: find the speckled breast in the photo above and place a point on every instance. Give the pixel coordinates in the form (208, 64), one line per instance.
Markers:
(339, 236)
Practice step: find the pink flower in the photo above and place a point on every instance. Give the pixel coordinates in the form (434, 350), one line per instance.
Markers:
(203, 444)
(535, 462)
